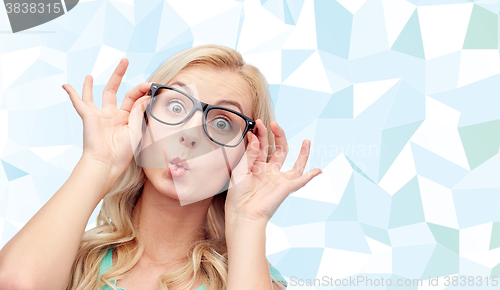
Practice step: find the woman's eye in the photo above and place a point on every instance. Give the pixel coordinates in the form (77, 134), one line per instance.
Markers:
(221, 124)
(176, 107)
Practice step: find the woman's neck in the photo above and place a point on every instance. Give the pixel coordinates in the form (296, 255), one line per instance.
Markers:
(167, 228)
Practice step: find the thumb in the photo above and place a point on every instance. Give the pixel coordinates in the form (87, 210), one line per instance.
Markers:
(136, 121)
(246, 163)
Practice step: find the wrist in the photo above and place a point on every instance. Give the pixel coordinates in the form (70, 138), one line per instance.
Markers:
(242, 219)
(244, 227)
(102, 166)
(100, 173)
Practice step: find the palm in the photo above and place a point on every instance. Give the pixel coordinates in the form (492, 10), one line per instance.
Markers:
(259, 186)
(106, 134)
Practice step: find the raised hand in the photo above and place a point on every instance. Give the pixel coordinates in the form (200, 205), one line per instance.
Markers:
(106, 131)
(259, 186)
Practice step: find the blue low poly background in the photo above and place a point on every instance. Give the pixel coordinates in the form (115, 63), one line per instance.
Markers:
(401, 100)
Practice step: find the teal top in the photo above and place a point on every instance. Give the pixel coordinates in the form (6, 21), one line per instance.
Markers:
(107, 264)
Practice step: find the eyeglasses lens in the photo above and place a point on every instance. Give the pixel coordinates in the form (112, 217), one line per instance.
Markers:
(173, 107)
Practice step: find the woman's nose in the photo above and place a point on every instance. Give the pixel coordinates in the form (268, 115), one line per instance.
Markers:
(192, 131)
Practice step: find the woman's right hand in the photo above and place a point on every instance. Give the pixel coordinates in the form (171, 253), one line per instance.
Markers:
(107, 135)
(43, 252)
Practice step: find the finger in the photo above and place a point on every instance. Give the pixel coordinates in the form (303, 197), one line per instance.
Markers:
(109, 94)
(281, 151)
(304, 179)
(75, 99)
(263, 139)
(300, 163)
(248, 160)
(131, 96)
(253, 150)
(136, 120)
(143, 102)
(87, 90)
(246, 163)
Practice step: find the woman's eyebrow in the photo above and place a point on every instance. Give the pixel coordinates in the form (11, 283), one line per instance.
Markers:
(236, 104)
(182, 85)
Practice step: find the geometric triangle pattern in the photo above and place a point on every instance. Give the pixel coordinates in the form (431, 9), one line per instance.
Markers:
(399, 98)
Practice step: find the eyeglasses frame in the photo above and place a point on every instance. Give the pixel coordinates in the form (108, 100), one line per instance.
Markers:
(197, 105)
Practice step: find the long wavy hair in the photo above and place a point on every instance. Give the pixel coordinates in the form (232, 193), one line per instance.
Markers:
(207, 258)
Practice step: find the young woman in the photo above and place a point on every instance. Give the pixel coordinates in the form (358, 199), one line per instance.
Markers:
(145, 238)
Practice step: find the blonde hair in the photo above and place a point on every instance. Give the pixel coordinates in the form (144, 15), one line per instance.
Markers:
(207, 258)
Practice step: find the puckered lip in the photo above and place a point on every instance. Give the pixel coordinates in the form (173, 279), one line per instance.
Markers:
(179, 162)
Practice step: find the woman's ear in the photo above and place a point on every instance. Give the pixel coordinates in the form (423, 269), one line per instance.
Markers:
(144, 126)
(145, 123)
(146, 113)
(245, 140)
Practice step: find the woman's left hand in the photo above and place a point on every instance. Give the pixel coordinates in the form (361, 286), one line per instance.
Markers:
(259, 187)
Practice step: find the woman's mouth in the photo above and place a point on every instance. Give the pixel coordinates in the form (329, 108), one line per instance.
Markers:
(176, 171)
(177, 167)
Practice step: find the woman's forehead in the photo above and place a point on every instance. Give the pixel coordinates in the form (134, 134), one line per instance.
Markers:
(216, 87)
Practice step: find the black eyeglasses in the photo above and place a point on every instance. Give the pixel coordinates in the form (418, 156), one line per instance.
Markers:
(171, 106)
